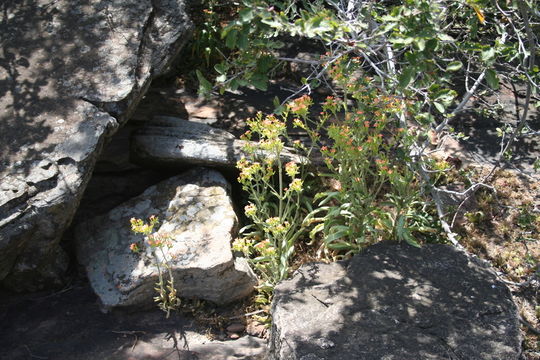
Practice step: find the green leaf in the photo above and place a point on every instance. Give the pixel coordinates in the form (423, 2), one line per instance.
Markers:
(335, 236)
(232, 36)
(439, 107)
(205, 87)
(406, 76)
(488, 55)
(227, 29)
(278, 110)
(410, 240)
(276, 102)
(425, 118)
(328, 196)
(492, 79)
(242, 82)
(259, 81)
(454, 66)
(445, 96)
(445, 37)
(342, 245)
(221, 68)
(386, 28)
(387, 18)
(431, 44)
(233, 85)
(243, 39)
(246, 15)
(402, 41)
(264, 64)
(420, 43)
(400, 227)
(318, 228)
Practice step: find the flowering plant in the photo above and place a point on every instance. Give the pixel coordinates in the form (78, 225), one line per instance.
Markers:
(167, 297)
(275, 196)
(374, 194)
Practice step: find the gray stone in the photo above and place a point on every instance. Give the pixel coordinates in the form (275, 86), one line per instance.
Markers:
(195, 210)
(395, 301)
(175, 143)
(70, 74)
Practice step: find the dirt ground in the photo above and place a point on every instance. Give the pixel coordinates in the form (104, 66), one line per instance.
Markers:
(69, 325)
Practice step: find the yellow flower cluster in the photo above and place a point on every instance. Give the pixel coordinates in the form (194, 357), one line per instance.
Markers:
(139, 226)
(276, 227)
(291, 168)
(296, 185)
(268, 128)
(248, 170)
(250, 210)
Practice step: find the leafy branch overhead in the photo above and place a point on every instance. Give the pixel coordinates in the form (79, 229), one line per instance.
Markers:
(422, 49)
(433, 55)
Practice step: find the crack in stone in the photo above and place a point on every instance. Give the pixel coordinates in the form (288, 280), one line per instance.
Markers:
(144, 40)
(116, 108)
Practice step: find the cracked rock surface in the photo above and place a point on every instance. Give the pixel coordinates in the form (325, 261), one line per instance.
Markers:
(70, 74)
(395, 301)
(196, 214)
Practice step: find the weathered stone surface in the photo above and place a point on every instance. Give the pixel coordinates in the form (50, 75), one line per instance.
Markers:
(70, 74)
(175, 143)
(195, 210)
(395, 302)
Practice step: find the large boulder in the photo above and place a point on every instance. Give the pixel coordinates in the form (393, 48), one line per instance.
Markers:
(196, 213)
(395, 302)
(70, 74)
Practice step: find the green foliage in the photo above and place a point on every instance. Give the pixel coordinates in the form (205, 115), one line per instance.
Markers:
(374, 196)
(399, 71)
(414, 48)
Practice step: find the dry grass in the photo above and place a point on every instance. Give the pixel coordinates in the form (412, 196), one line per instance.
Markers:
(504, 229)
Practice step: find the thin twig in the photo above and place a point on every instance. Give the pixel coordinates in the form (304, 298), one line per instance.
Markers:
(302, 61)
(34, 356)
(247, 314)
(529, 326)
(134, 333)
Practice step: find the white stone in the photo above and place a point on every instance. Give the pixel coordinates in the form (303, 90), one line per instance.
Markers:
(195, 210)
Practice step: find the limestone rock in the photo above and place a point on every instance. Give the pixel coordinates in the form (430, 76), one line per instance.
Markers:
(70, 74)
(175, 143)
(195, 210)
(394, 301)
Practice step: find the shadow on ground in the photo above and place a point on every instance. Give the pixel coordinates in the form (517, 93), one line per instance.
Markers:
(69, 325)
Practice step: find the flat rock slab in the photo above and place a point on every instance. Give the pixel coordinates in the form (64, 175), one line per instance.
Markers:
(197, 215)
(70, 74)
(174, 143)
(396, 302)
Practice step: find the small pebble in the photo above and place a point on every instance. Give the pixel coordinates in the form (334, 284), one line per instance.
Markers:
(236, 328)
(256, 329)
(234, 336)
